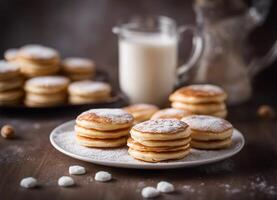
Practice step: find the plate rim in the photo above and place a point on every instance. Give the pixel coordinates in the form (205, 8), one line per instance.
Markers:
(145, 165)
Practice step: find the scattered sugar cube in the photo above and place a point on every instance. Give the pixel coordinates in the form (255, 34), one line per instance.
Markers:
(77, 170)
(28, 182)
(65, 181)
(149, 192)
(165, 187)
(103, 176)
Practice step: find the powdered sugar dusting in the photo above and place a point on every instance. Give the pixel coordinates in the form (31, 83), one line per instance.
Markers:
(38, 51)
(74, 62)
(211, 89)
(89, 86)
(8, 67)
(161, 126)
(115, 115)
(64, 138)
(48, 81)
(207, 123)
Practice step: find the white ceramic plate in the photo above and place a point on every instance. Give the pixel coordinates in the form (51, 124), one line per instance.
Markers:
(62, 138)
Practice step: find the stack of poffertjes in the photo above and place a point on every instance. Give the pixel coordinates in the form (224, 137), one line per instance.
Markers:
(103, 128)
(39, 72)
(153, 140)
(201, 99)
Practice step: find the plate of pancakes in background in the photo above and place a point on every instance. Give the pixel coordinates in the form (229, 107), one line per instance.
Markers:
(143, 137)
(34, 77)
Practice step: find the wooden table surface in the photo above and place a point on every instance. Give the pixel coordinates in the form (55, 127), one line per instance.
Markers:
(249, 175)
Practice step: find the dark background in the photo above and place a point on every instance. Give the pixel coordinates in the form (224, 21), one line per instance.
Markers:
(83, 28)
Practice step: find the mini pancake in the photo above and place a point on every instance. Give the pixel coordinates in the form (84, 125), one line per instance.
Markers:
(105, 119)
(221, 114)
(208, 131)
(158, 156)
(11, 95)
(84, 100)
(47, 84)
(200, 108)
(39, 54)
(8, 70)
(32, 69)
(46, 98)
(76, 65)
(195, 94)
(10, 84)
(205, 123)
(160, 129)
(206, 136)
(141, 112)
(163, 143)
(170, 113)
(139, 147)
(101, 143)
(91, 133)
(10, 54)
(38, 104)
(89, 89)
(215, 144)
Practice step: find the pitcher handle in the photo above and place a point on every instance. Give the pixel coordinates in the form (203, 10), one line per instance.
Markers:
(260, 63)
(197, 46)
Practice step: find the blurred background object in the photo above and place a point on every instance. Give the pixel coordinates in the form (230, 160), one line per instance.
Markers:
(83, 28)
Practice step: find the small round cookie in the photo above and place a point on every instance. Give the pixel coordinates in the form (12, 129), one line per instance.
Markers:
(218, 144)
(8, 70)
(105, 119)
(47, 84)
(158, 156)
(91, 133)
(142, 111)
(160, 130)
(206, 108)
(10, 84)
(170, 113)
(10, 54)
(101, 143)
(195, 94)
(39, 53)
(75, 65)
(88, 88)
(209, 130)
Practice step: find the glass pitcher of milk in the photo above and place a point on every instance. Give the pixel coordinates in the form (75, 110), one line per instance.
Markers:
(148, 57)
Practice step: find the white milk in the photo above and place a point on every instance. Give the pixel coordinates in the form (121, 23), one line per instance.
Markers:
(147, 67)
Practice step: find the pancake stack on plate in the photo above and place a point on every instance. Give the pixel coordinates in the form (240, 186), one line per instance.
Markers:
(37, 60)
(84, 92)
(209, 132)
(158, 140)
(200, 99)
(78, 68)
(103, 128)
(46, 91)
(141, 112)
(10, 84)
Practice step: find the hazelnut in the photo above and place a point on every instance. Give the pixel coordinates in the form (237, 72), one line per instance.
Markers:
(266, 112)
(7, 131)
